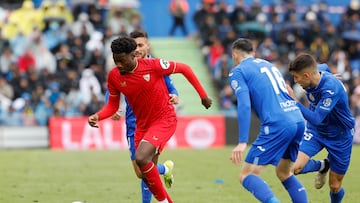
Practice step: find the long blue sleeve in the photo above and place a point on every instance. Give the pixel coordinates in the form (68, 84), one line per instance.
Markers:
(326, 104)
(313, 117)
(170, 86)
(244, 115)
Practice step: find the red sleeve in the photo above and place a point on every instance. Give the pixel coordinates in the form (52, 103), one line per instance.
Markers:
(110, 108)
(114, 98)
(191, 77)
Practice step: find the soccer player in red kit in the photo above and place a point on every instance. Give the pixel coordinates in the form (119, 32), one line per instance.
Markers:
(142, 82)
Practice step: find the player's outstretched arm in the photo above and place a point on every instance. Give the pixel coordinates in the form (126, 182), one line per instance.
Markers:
(194, 81)
(108, 110)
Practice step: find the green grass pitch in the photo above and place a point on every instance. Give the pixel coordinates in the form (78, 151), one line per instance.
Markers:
(28, 176)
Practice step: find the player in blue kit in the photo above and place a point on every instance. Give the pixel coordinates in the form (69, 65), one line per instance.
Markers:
(143, 51)
(330, 125)
(259, 85)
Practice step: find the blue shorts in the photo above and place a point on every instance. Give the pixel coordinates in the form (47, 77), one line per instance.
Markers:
(274, 144)
(131, 143)
(339, 149)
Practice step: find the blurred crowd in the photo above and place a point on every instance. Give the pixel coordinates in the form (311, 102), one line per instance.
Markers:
(54, 58)
(280, 32)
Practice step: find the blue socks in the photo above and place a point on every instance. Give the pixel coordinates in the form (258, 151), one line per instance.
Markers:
(161, 168)
(259, 188)
(337, 197)
(295, 189)
(311, 166)
(146, 193)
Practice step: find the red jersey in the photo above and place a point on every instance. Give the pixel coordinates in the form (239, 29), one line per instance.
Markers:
(145, 90)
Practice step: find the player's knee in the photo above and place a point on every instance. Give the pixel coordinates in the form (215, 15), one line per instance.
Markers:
(140, 160)
(335, 186)
(283, 175)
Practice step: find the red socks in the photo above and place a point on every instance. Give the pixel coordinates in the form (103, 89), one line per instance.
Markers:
(153, 181)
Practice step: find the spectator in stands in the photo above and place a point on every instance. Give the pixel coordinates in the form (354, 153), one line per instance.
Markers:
(54, 36)
(19, 43)
(4, 43)
(208, 30)
(28, 115)
(255, 10)
(11, 117)
(95, 17)
(74, 101)
(228, 102)
(320, 49)
(53, 92)
(26, 61)
(117, 21)
(221, 13)
(216, 50)
(178, 10)
(201, 14)
(64, 11)
(89, 86)
(63, 54)
(43, 111)
(224, 28)
(43, 57)
(6, 93)
(239, 14)
(268, 49)
(6, 59)
(21, 87)
(82, 24)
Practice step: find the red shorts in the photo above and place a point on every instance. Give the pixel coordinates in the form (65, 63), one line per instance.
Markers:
(157, 134)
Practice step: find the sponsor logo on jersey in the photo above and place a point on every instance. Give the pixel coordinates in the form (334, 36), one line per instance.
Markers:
(164, 64)
(147, 77)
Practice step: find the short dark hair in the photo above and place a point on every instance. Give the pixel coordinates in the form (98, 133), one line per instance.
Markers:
(123, 45)
(138, 33)
(243, 45)
(301, 62)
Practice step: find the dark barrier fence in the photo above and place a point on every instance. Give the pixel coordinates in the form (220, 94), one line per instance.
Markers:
(231, 130)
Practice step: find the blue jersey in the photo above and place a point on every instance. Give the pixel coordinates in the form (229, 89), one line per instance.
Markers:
(324, 67)
(259, 85)
(130, 117)
(329, 112)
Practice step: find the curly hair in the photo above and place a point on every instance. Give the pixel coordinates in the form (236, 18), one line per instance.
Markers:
(123, 45)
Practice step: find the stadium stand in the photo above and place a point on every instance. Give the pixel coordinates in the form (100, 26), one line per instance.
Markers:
(185, 50)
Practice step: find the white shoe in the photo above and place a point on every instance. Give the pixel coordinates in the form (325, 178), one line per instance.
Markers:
(320, 177)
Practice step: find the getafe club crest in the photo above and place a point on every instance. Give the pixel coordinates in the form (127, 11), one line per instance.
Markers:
(146, 77)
